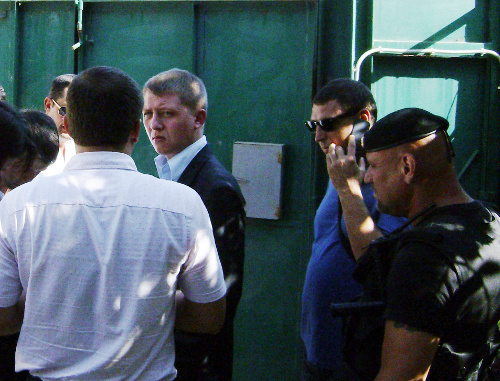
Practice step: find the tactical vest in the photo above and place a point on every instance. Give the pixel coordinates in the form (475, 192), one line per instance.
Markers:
(364, 321)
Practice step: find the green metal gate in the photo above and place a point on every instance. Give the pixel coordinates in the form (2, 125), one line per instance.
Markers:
(262, 61)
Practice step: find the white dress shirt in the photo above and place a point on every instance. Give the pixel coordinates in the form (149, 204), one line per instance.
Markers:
(61, 159)
(98, 251)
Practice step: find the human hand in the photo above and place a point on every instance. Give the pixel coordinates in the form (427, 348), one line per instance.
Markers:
(343, 170)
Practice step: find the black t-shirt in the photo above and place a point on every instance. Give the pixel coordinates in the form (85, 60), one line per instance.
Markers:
(445, 278)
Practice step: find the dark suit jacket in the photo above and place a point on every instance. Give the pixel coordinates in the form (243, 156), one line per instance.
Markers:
(225, 204)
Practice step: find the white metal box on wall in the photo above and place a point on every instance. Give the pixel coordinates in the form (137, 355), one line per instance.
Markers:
(258, 168)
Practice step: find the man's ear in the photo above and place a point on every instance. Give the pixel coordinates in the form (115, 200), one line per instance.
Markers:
(134, 133)
(408, 167)
(364, 114)
(47, 104)
(200, 118)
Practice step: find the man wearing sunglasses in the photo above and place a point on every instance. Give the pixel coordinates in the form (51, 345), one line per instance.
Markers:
(55, 107)
(340, 109)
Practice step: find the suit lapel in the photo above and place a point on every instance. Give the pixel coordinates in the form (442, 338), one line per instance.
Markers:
(187, 177)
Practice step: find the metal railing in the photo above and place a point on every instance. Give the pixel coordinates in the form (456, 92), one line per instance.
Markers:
(420, 52)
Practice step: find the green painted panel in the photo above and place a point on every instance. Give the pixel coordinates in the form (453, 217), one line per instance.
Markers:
(427, 21)
(8, 47)
(268, 345)
(258, 69)
(335, 29)
(453, 88)
(143, 39)
(45, 32)
(260, 61)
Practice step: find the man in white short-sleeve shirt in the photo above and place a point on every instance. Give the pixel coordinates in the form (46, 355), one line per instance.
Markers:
(101, 303)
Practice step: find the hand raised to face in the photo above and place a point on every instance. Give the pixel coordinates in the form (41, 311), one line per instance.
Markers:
(344, 172)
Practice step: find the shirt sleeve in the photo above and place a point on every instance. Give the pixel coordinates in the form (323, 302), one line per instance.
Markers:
(201, 278)
(418, 287)
(10, 284)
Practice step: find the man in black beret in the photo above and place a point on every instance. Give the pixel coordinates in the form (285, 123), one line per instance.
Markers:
(442, 291)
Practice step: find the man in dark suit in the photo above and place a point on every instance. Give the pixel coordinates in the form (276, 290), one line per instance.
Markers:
(175, 110)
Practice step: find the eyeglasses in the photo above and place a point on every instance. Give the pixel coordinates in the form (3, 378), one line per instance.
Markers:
(60, 109)
(328, 124)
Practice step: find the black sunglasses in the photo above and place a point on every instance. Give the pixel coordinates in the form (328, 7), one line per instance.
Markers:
(60, 109)
(328, 124)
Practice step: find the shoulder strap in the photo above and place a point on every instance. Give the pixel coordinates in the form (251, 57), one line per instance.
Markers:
(376, 216)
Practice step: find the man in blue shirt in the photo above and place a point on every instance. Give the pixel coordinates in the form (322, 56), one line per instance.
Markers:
(342, 110)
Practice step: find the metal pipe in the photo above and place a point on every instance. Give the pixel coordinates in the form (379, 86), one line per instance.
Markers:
(414, 52)
(79, 24)
(353, 35)
(468, 163)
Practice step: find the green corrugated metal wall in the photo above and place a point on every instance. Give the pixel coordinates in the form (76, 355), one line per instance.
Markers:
(262, 61)
(256, 59)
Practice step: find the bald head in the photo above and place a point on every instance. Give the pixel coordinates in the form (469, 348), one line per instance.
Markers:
(431, 155)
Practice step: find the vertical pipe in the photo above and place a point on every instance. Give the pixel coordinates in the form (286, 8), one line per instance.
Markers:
(353, 40)
(13, 59)
(79, 24)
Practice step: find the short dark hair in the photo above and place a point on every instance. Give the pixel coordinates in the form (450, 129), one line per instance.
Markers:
(3, 94)
(42, 132)
(59, 84)
(104, 104)
(350, 94)
(188, 87)
(13, 129)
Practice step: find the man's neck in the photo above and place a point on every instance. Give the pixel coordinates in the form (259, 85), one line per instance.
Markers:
(443, 194)
(84, 149)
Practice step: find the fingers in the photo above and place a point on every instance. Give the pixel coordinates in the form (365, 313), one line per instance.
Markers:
(342, 166)
(339, 151)
(331, 157)
(362, 165)
(336, 154)
(331, 149)
(351, 147)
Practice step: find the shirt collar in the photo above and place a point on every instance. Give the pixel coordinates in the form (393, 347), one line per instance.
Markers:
(101, 160)
(172, 169)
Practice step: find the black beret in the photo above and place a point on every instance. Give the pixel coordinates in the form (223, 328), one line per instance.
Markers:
(401, 127)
